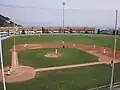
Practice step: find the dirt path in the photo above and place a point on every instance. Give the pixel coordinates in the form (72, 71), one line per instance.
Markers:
(18, 72)
(68, 66)
(14, 63)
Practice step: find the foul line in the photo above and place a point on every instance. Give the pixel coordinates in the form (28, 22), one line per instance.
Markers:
(68, 66)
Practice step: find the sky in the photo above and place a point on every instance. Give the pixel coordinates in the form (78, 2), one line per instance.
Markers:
(92, 13)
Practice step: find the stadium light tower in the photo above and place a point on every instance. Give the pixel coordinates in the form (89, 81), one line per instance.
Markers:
(114, 52)
(63, 13)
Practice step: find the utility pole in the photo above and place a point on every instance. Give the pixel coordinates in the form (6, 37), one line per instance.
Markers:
(63, 14)
(114, 52)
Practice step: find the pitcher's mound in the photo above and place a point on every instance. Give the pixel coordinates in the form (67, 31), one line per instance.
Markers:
(53, 55)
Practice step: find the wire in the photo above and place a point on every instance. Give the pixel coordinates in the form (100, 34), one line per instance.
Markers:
(55, 9)
(15, 6)
(29, 7)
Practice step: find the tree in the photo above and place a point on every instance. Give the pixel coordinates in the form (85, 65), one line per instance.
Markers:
(86, 32)
(8, 19)
(59, 30)
(5, 21)
(117, 32)
(8, 32)
(64, 31)
(98, 31)
(46, 31)
(23, 32)
(32, 28)
(5, 24)
(113, 32)
(70, 30)
(1, 22)
(19, 25)
(43, 30)
(11, 23)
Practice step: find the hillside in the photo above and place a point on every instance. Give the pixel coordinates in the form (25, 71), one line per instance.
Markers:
(5, 21)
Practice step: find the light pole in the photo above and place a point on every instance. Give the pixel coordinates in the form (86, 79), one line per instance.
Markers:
(2, 68)
(114, 52)
(63, 14)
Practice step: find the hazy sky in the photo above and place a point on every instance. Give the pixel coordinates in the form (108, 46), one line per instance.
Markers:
(99, 13)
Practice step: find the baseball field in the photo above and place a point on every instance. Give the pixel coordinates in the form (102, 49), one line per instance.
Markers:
(41, 62)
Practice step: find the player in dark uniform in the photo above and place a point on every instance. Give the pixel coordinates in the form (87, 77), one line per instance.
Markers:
(63, 44)
(111, 63)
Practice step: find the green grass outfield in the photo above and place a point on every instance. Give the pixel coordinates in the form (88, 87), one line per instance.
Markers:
(106, 41)
(36, 58)
(68, 79)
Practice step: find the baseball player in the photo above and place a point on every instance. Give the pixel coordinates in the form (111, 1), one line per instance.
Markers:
(8, 72)
(63, 44)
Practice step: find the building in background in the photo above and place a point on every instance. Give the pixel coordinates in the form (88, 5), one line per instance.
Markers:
(51, 29)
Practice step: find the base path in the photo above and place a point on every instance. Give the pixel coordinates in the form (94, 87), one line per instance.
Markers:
(68, 66)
